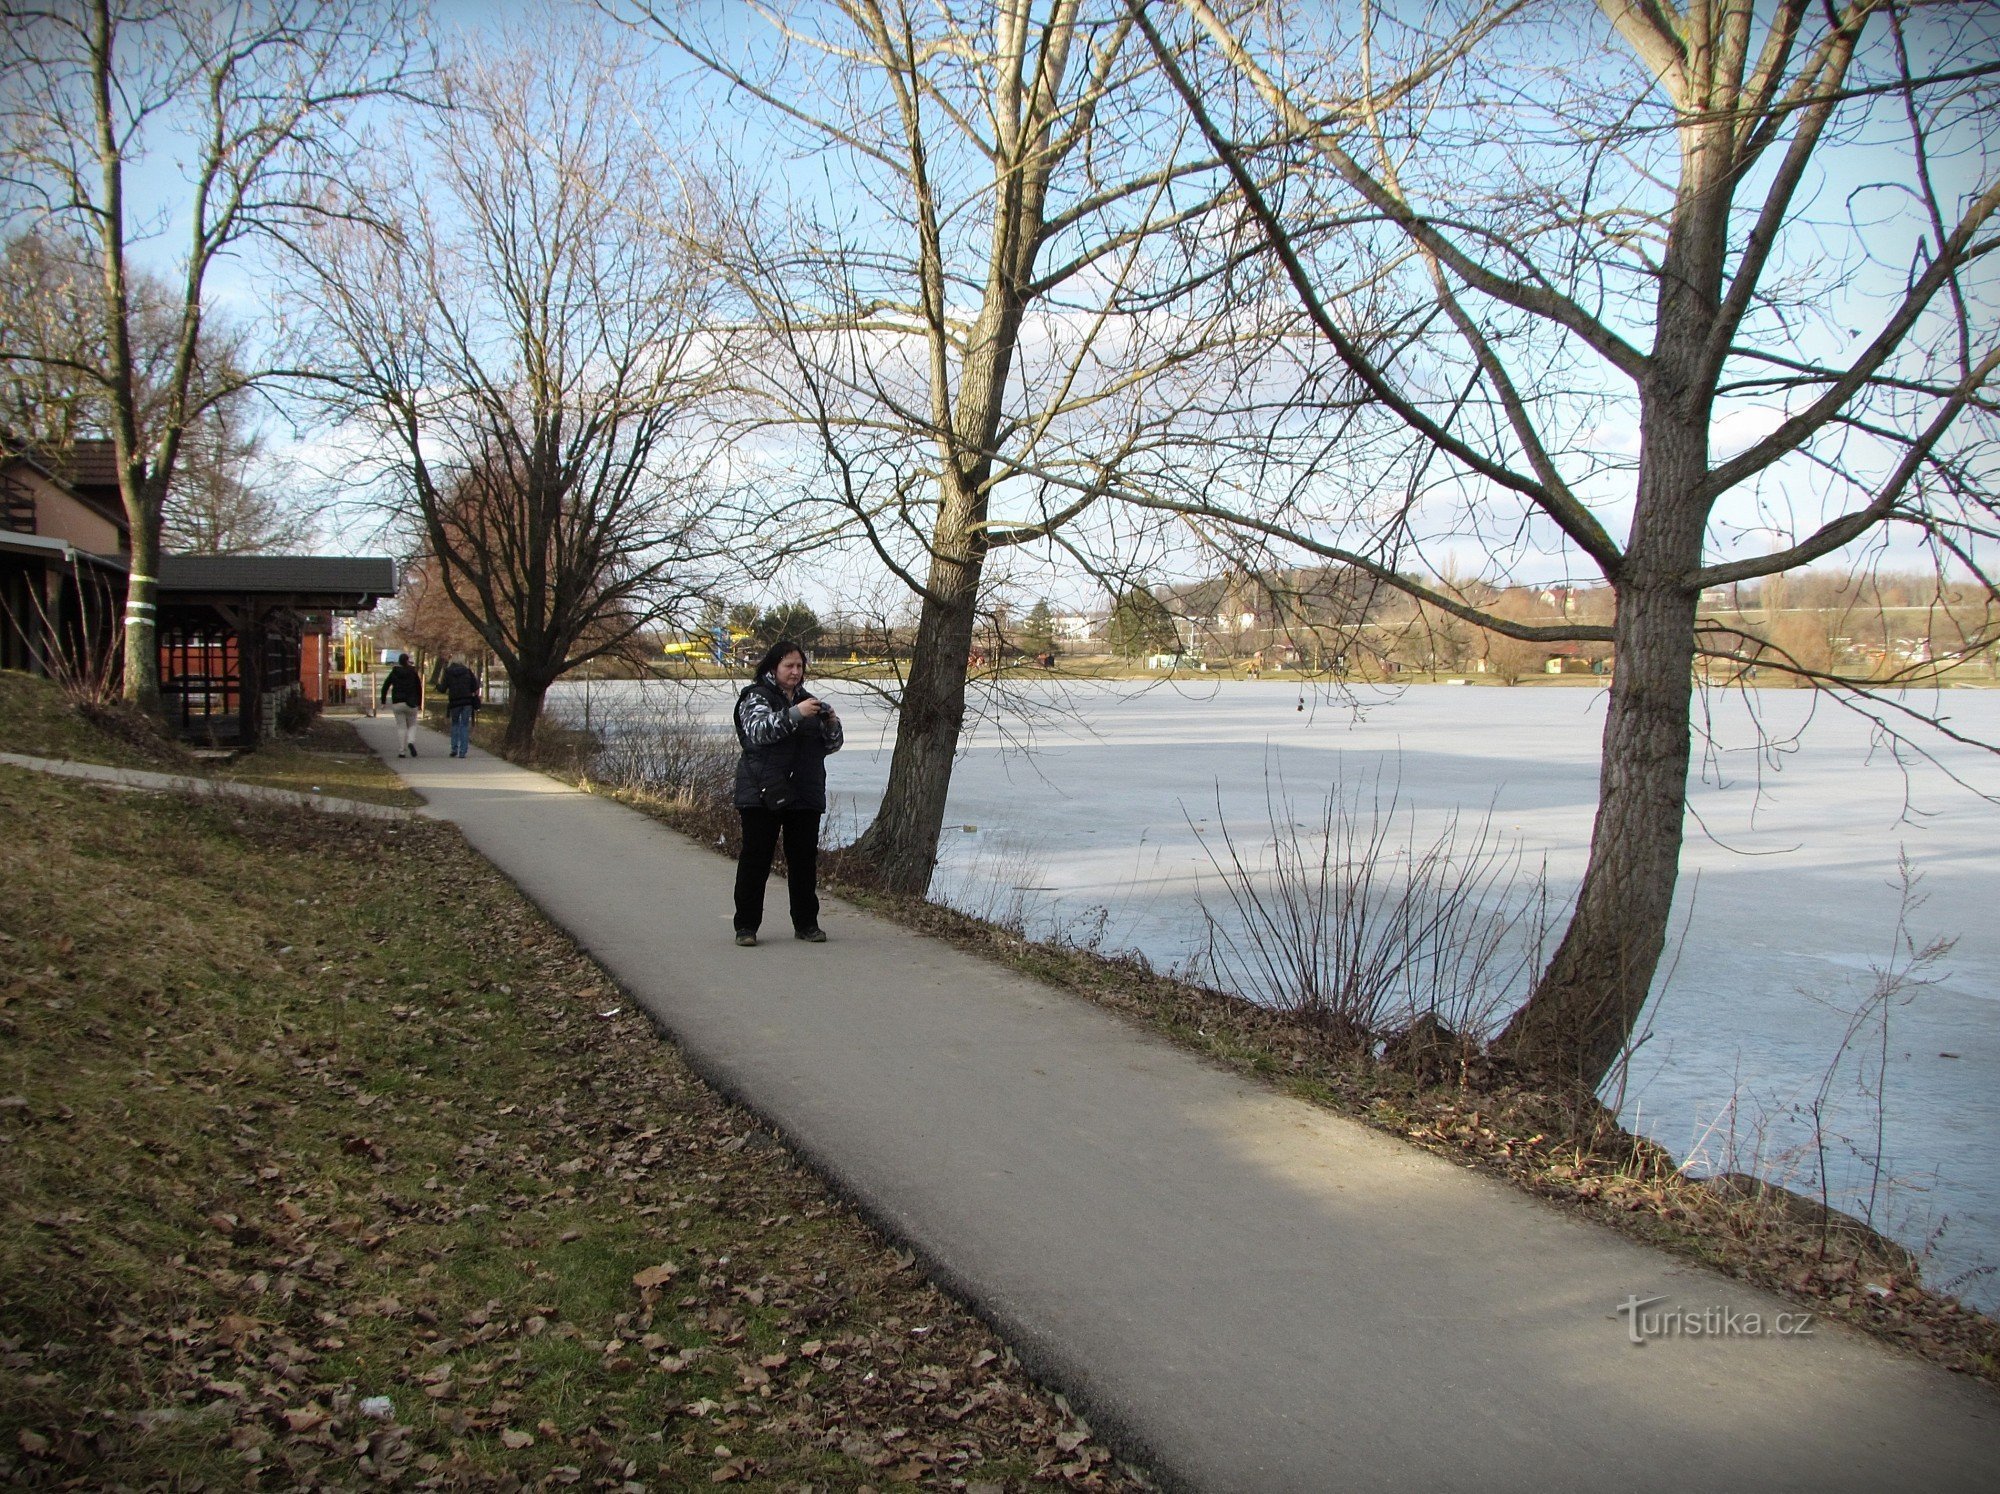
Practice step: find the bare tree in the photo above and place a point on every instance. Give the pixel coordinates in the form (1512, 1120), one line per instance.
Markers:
(520, 359)
(997, 307)
(1692, 295)
(230, 496)
(424, 617)
(222, 500)
(50, 336)
(254, 99)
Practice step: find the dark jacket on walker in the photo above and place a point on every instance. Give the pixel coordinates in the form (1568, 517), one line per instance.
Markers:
(403, 685)
(784, 750)
(461, 686)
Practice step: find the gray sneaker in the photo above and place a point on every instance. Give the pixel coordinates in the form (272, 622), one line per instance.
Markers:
(811, 936)
(746, 937)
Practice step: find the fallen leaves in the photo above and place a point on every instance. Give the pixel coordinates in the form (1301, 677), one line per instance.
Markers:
(233, 1330)
(653, 1278)
(631, 1238)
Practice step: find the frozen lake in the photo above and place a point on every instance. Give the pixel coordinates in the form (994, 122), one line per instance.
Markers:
(1077, 797)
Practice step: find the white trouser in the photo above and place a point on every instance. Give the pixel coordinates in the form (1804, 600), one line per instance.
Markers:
(406, 718)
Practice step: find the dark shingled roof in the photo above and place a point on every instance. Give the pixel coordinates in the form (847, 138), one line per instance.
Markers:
(368, 576)
(91, 463)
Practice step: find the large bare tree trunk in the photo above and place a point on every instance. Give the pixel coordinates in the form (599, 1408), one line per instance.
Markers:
(1586, 1006)
(1576, 1024)
(1584, 1009)
(524, 714)
(1038, 77)
(142, 619)
(901, 844)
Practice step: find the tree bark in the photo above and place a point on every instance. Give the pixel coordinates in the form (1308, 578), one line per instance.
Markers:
(142, 638)
(524, 714)
(1579, 1019)
(142, 620)
(901, 845)
(1576, 1024)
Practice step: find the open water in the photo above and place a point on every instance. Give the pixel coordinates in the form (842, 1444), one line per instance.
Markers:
(1090, 807)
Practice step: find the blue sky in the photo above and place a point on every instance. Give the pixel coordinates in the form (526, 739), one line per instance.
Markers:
(1860, 178)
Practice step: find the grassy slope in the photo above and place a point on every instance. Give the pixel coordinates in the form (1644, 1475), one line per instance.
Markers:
(37, 721)
(332, 760)
(296, 1111)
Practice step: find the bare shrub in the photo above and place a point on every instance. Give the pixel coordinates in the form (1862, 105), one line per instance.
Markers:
(78, 651)
(1385, 941)
(1002, 883)
(660, 747)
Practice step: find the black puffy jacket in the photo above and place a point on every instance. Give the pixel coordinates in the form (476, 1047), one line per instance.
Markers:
(403, 686)
(781, 746)
(461, 685)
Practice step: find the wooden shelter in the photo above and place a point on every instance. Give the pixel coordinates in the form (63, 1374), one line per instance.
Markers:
(239, 633)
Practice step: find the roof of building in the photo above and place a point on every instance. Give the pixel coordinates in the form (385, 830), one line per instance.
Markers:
(87, 473)
(361, 576)
(91, 462)
(11, 451)
(60, 550)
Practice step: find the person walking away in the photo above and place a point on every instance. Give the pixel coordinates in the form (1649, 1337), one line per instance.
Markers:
(403, 688)
(461, 702)
(786, 733)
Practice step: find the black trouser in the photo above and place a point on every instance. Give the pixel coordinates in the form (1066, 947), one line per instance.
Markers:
(753, 868)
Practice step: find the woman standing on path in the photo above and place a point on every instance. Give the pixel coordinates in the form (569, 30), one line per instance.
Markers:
(404, 690)
(786, 733)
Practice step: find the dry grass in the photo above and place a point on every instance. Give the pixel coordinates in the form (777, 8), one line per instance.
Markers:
(297, 1111)
(331, 759)
(38, 720)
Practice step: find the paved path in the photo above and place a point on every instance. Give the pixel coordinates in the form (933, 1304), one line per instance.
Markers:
(188, 783)
(1243, 1292)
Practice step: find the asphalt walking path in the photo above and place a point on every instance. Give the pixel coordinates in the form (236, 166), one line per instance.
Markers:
(1242, 1292)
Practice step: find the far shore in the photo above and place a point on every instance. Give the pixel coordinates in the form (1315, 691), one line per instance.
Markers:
(831, 666)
